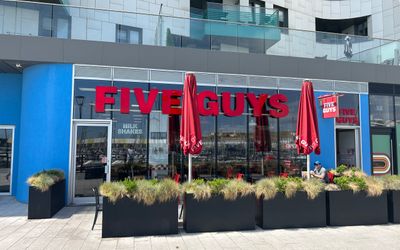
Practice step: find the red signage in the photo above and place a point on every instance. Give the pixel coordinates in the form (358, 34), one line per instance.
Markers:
(330, 106)
(208, 102)
(348, 116)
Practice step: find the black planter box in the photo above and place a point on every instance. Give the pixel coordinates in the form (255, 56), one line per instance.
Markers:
(296, 212)
(218, 214)
(46, 204)
(127, 217)
(394, 206)
(346, 208)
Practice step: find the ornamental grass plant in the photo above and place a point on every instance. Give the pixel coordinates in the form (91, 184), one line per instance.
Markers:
(269, 187)
(229, 189)
(45, 179)
(391, 182)
(147, 192)
(356, 180)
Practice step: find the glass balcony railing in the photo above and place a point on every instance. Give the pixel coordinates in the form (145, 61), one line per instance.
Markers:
(81, 23)
(237, 13)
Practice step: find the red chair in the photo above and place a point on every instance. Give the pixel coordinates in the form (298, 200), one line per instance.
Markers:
(284, 175)
(229, 173)
(239, 176)
(177, 178)
(331, 176)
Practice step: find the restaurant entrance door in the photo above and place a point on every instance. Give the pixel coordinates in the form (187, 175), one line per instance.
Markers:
(6, 158)
(92, 159)
(382, 151)
(348, 147)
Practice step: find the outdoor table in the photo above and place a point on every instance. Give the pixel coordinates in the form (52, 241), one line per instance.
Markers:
(206, 177)
(255, 178)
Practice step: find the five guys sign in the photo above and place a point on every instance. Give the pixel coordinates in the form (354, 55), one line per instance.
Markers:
(208, 102)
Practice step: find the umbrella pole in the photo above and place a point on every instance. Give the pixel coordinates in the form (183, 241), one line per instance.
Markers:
(308, 167)
(262, 164)
(190, 169)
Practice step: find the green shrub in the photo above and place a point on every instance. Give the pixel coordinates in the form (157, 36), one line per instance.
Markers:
(341, 168)
(217, 185)
(45, 179)
(130, 185)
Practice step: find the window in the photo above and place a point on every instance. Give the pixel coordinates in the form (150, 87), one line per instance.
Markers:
(128, 34)
(348, 110)
(283, 16)
(381, 111)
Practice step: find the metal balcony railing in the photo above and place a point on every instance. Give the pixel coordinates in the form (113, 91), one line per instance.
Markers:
(82, 23)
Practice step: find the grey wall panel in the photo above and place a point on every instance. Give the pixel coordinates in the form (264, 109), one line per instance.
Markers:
(393, 74)
(254, 64)
(40, 49)
(224, 62)
(311, 68)
(44, 49)
(10, 47)
(190, 59)
(337, 70)
(284, 66)
(156, 57)
(126, 55)
(362, 72)
(83, 52)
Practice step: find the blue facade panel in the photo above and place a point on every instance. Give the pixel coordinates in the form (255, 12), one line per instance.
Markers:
(10, 109)
(45, 122)
(326, 129)
(365, 134)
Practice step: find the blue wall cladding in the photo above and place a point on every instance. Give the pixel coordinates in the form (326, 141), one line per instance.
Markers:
(10, 107)
(365, 134)
(45, 122)
(326, 129)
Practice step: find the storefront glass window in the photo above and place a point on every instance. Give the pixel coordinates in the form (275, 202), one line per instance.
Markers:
(165, 158)
(290, 162)
(381, 111)
(397, 107)
(348, 110)
(232, 139)
(204, 163)
(84, 100)
(263, 141)
(129, 138)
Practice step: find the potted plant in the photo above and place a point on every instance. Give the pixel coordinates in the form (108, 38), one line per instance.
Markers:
(46, 194)
(140, 207)
(356, 199)
(218, 205)
(290, 203)
(392, 185)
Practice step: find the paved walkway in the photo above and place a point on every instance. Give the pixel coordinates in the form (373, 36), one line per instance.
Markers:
(70, 229)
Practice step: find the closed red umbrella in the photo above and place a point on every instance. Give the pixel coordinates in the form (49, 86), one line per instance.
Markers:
(307, 137)
(190, 134)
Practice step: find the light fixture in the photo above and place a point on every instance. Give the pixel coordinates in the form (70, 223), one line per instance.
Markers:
(79, 100)
(18, 65)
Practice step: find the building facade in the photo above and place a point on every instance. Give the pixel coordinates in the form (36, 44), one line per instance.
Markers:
(93, 88)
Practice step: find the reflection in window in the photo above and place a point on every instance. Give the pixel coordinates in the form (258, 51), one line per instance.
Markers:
(381, 111)
(232, 139)
(263, 141)
(129, 138)
(128, 34)
(348, 110)
(290, 162)
(6, 140)
(84, 100)
(204, 163)
(164, 150)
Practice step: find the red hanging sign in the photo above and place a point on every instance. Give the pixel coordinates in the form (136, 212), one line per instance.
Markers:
(330, 106)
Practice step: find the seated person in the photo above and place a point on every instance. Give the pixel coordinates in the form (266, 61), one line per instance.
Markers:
(319, 172)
